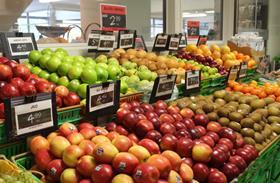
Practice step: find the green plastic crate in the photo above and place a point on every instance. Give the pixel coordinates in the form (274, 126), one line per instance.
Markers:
(25, 161)
(3, 136)
(70, 115)
(12, 149)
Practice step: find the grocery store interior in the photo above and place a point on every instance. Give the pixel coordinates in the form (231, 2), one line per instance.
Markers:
(139, 91)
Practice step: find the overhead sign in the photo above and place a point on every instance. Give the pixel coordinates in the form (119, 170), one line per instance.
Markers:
(193, 29)
(113, 17)
(17, 45)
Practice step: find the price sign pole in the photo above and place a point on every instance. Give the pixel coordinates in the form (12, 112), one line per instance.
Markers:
(140, 43)
(27, 116)
(103, 99)
(126, 39)
(192, 82)
(202, 40)
(17, 45)
(160, 43)
(163, 88)
(243, 70)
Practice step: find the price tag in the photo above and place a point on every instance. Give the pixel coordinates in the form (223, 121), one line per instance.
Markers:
(18, 45)
(202, 40)
(126, 39)
(161, 42)
(93, 39)
(106, 41)
(183, 41)
(113, 17)
(233, 73)
(192, 82)
(242, 70)
(103, 98)
(140, 43)
(174, 41)
(30, 115)
(264, 64)
(163, 88)
(193, 29)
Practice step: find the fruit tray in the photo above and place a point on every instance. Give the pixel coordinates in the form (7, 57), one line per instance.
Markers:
(2, 133)
(266, 168)
(12, 149)
(69, 114)
(25, 161)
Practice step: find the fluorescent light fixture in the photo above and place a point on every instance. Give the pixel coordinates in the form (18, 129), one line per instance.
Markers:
(48, 1)
(210, 11)
(192, 15)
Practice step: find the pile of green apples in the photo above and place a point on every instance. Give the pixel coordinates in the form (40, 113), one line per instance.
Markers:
(76, 72)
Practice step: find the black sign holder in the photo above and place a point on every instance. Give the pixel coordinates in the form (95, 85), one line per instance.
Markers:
(173, 43)
(140, 43)
(163, 88)
(161, 43)
(102, 99)
(233, 73)
(106, 41)
(93, 40)
(202, 40)
(192, 82)
(242, 70)
(26, 114)
(17, 45)
(183, 41)
(126, 39)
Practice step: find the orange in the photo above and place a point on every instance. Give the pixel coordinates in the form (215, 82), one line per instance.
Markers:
(240, 56)
(272, 96)
(246, 89)
(228, 89)
(251, 63)
(237, 87)
(267, 84)
(232, 83)
(262, 94)
(277, 92)
(257, 91)
(278, 99)
(246, 58)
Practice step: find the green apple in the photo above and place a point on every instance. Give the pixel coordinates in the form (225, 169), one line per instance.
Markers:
(74, 72)
(125, 78)
(36, 70)
(53, 63)
(143, 68)
(102, 74)
(43, 60)
(89, 76)
(127, 65)
(82, 90)
(105, 66)
(133, 65)
(79, 59)
(90, 63)
(113, 61)
(143, 84)
(154, 75)
(68, 59)
(61, 50)
(64, 81)
(44, 74)
(205, 75)
(83, 102)
(54, 77)
(101, 59)
(89, 59)
(133, 80)
(77, 64)
(130, 72)
(27, 64)
(124, 87)
(114, 72)
(34, 56)
(47, 51)
(74, 85)
(144, 75)
(212, 71)
(63, 68)
(59, 54)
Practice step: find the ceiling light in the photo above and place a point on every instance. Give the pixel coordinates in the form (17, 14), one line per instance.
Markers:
(188, 15)
(48, 1)
(210, 11)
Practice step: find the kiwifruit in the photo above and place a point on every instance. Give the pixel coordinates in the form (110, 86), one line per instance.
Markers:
(182, 104)
(262, 123)
(256, 117)
(244, 112)
(258, 137)
(219, 94)
(247, 123)
(231, 108)
(223, 121)
(276, 127)
(249, 140)
(273, 136)
(233, 103)
(207, 108)
(266, 132)
(267, 140)
(264, 143)
(263, 112)
(193, 106)
(275, 104)
(199, 111)
(257, 104)
(257, 127)
(220, 101)
(235, 126)
(223, 112)
(273, 111)
(235, 116)
(273, 119)
(244, 100)
(212, 116)
(247, 132)
(245, 106)
(259, 147)
(268, 100)
(229, 97)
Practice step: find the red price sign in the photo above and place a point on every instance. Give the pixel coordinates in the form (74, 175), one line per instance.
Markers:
(113, 17)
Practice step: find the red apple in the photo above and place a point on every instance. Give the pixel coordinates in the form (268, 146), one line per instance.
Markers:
(4, 60)
(38, 143)
(160, 111)
(2, 111)
(217, 177)
(173, 109)
(214, 136)
(70, 175)
(141, 116)
(125, 105)
(142, 128)
(197, 141)
(27, 89)
(135, 103)
(188, 123)
(21, 71)
(245, 154)
(201, 130)
(17, 82)
(55, 168)
(43, 87)
(58, 101)
(88, 133)
(182, 133)
(187, 113)
(6, 72)
(61, 91)
(213, 126)
(177, 117)
(85, 124)
(121, 112)
(230, 170)
(168, 142)
(222, 147)
(179, 125)
(156, 122)
(227, 142)
(71, 155)
(195, 134)
(52, 86)
(208, 140)
(67, 128)
(9, 91)
(122, 143)
(112, 135)
(86, 165)
(201, 119)
(11, 63)
(147, 107)
(166, 118)
(111, 126)
(85, 181)
(239, 162)
(58, 145)
(121, 130)
(187, 161)
(133, 138)
(138, 110)
(87, 146)
(201, 172)
(252, 149)
(146, 173)
(174, 159)
(75, 138)
(167, 128)
(2, 83)
(161, 163)
(102, 174)
(43, 158)
(151, 114)
(219, 157)
(184, 147)
(125, 162)
(154, 135)
(105, 152)
(186, 172)
(202, 152)
(239, 141)
(227, 133)
(160, 104)
(71, 99)
(150, 145)
(130, 119)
